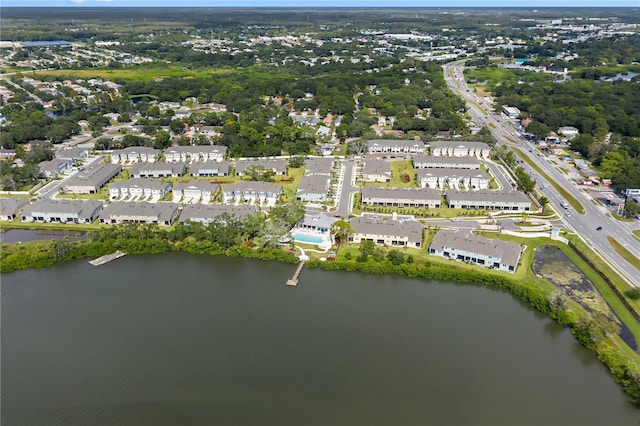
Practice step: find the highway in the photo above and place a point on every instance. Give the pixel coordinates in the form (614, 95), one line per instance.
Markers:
(595, 215)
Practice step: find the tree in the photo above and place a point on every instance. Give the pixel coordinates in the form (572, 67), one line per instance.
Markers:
(342, 230)
(395, 256)
(366, 248)
(543, 202)
(611, 164)
(296, 161)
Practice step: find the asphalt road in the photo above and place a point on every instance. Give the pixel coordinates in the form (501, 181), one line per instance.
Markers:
(585, 225)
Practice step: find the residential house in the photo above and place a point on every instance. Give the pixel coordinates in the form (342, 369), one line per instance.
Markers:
(10, 207)
(568, 132)
(157, 170)
(73, 154)
(376, 170)
(92, 178)
(62, 211)
(135, 154)
(401, 197)
(209, 168)
(139, 188)
(467, 247)
(395, 146)
(205, 213)
(488, 200)
(279, 167)
(151, 213)
(387, 232)
(194, 154)
(316, 222)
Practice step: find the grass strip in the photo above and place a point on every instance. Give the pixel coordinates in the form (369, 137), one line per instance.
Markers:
(570, 198)
(626, 254)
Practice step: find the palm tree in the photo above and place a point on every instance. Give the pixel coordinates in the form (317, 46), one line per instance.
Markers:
(342, 229)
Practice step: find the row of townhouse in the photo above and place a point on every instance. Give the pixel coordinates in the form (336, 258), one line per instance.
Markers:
(210, 169)
(387, 232)
(157, 170)
(92, 179)
(401, 197)
(316, 182)
(493, 253)
(395, 146)
(279, 167)
(151, 213)
(488, 200)
(441, 162)
(250, 192)
(174, 154)
(62, 211)
(376, 170)
(55, 167)
(460, 149)
(139, 187)
(10, 207)
(453, 178)
(195, 190)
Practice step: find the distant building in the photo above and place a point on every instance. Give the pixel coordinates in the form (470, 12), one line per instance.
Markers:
(158, 170)
(397, 146)
(135, 154)
(54, 168)
(568, 132)
(442, 162)
(73, 154)
(194, 154)
(510, 112)
(460, 149)
(493, 253)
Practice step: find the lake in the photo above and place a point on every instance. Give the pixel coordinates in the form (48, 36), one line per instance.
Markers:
(179, 339)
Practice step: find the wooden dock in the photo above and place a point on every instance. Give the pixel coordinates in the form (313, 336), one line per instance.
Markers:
(107, 258)
(294, 281)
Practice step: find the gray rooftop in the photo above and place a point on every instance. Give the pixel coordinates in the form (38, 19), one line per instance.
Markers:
(95, 175)
(210, 165)
(11, 206)
(318, 165)
(395, 142)
(401, 193)
(484, 195)
(196, 184)
(376, 167)
(140, 183)
(197, 149)
(314, 184)
(450, 172)
(83, 208)
(174, 168)
(72, 153)
(206, 212)
(429, 159)
(508, 252)
(162, 211)
(412, 230)
(455, 144)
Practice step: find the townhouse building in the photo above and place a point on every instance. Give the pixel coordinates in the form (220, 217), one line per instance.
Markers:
(467, 247)
(376, 170)
(445, 162)
(251, 192)
(139, 188)
(92, 179)
(209, 168)
(205, 213)
(401, 197)
(157, 170)
(397, 146)
(195, 154)
(387, 232)
(453, 178)
(162, 214)
(135, 154)
(62, 211)
(488, 200)
(460, 149)
(11, 207)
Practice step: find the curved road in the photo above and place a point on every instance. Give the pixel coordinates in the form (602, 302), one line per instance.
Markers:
(584, 225)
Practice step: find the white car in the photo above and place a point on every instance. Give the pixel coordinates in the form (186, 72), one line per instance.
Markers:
(455, 219)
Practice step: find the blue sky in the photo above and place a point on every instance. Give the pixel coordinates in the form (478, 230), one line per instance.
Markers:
(320, 3)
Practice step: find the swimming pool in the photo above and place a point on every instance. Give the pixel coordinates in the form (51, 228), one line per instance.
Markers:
(306, 238)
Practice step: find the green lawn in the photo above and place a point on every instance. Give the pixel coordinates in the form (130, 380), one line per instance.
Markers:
(624, 253)
(570, 198)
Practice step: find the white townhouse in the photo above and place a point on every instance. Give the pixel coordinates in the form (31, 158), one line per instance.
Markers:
(92, 179)
(460, 149)
(139, 188)
(488, 200)
(395, 146)
(444, 162)
(157, 170)
(151, 213)
(387, 232)
(453, 178)
(401, 197)
(62, 211)
(250, 192)
(279, 167)
(135, 154)
(195, 190)
(194, 154)
(209, 169)
(10, 207)
(376, 170)
(467, 247)
(314, 188)
(205, 213)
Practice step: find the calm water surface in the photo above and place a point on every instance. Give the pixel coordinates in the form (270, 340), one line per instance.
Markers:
(178, 339)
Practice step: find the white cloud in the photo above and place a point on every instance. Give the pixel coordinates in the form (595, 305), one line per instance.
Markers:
(77, 1)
